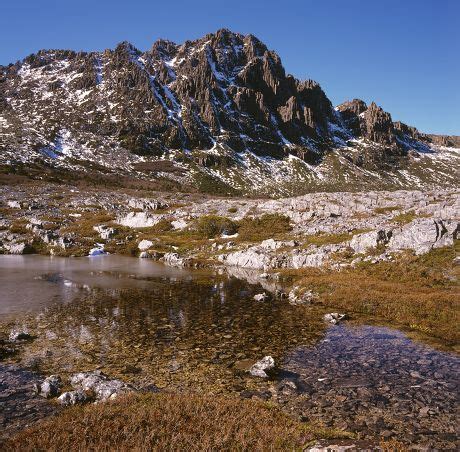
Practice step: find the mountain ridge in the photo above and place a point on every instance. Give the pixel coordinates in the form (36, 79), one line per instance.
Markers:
(218, 104)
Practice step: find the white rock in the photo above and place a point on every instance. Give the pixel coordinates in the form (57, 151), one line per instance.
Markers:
(361, 243)
(72, 397)
(100, 384)
(97, 251)
(50, 387)
(145, 245)
(334, 317)
(260, 367)
(14, 204)
(261, 297)
(139, 220)
(179, 224)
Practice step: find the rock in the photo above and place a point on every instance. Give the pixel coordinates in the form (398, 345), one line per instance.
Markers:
(261, 297)
(298, 297)
(334, 317)
(147, 204)
(19, 335)
(18, 248)
(105, 232)
(145, 255)
(179, 224)
(50, 387)
(97, 251)
(103, 387)
(260, 368)
(175, 260)
(423, 234)
(139, 220)
(145, 245)
(13, 204)
(361, 243)
(73, 397)
(250, 258)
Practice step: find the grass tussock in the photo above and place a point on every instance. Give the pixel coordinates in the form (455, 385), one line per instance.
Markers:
(388, 209)
(330, 239)
(405, 217)
(264, 227)
(211, 226)
(418, 292)
(165, 421)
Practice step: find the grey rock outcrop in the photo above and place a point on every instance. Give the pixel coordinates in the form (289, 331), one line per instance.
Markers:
(103, 387)
(73, 397)
(50, 387)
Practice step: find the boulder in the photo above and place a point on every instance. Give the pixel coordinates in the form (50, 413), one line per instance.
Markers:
(97, 251)
(250, 258)
(361, 243)
(139, 220)
(103, 387)
(298, 297)
(73, 397)
(423, 234)
(175, 260)
(260, 368)
(147, 204)
(50, 387)
(105, 232)
(334, 317)
(145, 245)
(17, 248)
(19, 335)
(260, 297)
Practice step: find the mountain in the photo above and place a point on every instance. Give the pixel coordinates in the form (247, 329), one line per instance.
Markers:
(217, 114)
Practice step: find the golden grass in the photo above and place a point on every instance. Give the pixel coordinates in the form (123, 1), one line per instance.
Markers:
(418, 292)
(389, 209)
(179, 422)
(264, 227)
(406, 217)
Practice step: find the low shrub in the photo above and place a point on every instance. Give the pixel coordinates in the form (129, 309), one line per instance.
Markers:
(264, 227)
(211, 226)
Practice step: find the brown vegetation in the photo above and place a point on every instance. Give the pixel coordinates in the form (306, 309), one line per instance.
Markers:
(265, 227)
(418, 292)
(165, 421)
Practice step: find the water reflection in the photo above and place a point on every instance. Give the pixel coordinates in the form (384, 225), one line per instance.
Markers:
(29, 283)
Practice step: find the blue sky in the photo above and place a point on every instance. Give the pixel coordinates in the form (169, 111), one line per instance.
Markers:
(403, 54)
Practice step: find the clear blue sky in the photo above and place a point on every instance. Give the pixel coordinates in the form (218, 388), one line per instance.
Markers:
(404, 54)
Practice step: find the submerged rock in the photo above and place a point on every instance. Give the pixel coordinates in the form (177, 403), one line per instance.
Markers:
(260, 368)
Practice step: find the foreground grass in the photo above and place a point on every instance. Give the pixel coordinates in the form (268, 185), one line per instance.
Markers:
(165, 421)
(418, 292)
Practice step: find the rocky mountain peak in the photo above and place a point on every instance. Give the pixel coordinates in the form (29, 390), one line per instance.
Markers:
(225, 94)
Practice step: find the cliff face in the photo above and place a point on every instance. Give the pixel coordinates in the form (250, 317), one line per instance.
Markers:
(224, 93)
